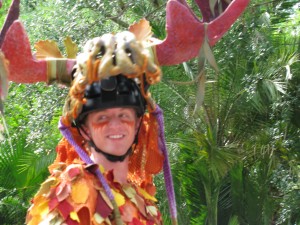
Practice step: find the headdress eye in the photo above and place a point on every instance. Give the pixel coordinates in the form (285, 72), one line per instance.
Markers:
(114, 59)
(129, 53)
(101, 53)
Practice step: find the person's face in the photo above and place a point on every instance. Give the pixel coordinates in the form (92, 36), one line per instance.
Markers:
(112, 130)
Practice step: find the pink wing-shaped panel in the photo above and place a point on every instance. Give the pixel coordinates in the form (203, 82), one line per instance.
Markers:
(23, 67)
(186, 33)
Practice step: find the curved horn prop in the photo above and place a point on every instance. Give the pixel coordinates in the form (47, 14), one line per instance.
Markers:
(186, 33)
(13, 15)
(24, 68)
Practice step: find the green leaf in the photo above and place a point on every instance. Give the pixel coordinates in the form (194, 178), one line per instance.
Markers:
(234, 221)
(209, 55)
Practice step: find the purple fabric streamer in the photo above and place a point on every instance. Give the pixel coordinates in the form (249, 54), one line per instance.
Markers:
(166, 167)
(65, 131)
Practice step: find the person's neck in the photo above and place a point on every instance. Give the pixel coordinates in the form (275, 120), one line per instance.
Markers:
(120, 169)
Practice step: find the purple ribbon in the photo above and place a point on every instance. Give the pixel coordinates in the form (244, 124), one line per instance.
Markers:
(158, 113)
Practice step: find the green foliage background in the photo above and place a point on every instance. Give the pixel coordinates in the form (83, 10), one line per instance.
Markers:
(235, 160)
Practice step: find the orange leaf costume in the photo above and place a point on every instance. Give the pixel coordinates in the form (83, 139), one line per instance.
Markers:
(74, 195)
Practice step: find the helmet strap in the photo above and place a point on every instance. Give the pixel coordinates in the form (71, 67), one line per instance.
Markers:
(110, 157)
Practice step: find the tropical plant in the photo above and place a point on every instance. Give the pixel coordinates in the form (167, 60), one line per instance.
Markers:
(28, 145)
(245, 112)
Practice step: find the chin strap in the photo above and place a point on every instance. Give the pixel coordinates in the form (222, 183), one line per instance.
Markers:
(110, 157)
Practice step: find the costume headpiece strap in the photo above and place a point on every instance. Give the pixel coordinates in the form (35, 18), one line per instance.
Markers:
(167, 169)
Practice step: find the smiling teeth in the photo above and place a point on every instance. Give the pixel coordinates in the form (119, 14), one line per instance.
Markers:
(116, 136)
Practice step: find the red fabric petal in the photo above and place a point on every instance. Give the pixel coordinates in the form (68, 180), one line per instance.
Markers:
(84, 216)
(110, 178)
(53, 203)
(102, 208)
(149, 223)
(65, 209)
(74, 172)
(71, 222)
(63, 191)
(135, 221)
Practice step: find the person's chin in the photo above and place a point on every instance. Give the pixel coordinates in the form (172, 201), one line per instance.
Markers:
(118, 149)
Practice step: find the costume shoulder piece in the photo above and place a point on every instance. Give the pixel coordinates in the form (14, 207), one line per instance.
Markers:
(73, 195)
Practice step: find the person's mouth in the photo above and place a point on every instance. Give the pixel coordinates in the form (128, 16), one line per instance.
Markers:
(116, 136)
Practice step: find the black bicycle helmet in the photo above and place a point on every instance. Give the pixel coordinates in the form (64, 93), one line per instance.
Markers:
(112, 92)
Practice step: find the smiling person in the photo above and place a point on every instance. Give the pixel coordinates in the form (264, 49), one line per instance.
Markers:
(109, 122)
(112, 145)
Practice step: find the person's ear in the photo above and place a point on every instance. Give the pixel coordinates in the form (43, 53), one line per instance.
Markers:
(85, 132)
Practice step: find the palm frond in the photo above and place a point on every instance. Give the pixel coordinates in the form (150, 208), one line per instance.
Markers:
(234, 221)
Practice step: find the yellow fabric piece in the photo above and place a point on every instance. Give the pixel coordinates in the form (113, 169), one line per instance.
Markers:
(45, 187)
(146, 195)
(80, 192)
(42, 206)
(44, 209)
(71, 48)
(34, 221)
(101, 168)
(120, 200)
(74, 216)
(47, 49)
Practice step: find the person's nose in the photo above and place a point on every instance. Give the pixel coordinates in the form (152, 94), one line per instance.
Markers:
(115, 122)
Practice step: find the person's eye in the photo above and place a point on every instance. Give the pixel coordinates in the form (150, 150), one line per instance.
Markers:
(102, 118)
(123, 115)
